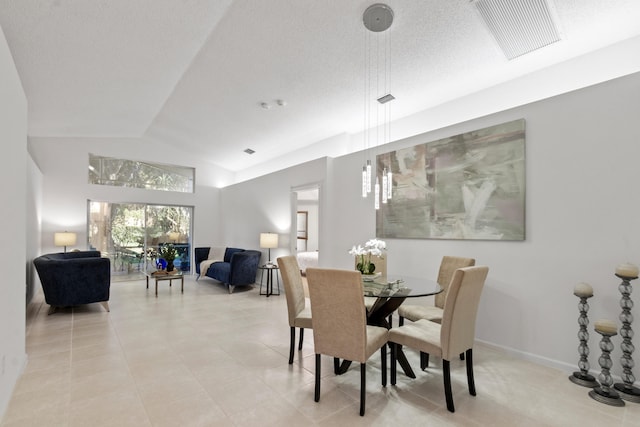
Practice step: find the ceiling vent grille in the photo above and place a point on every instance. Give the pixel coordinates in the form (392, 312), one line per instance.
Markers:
(519, 26)
(249, 151)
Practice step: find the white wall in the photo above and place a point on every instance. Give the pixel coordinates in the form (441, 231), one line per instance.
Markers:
(582, 172)
(582, 154)
(64, 163)
(33, 228)
(13, 250)
(265, 205)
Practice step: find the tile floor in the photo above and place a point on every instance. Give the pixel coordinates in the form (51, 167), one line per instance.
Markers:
(207, 358)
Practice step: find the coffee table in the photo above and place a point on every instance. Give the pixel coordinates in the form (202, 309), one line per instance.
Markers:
(159, 276)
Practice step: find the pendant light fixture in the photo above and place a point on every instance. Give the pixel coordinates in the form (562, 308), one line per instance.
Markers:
(377, 18)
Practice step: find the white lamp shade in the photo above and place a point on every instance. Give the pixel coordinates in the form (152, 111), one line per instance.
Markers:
(64, 239)
(268, 240)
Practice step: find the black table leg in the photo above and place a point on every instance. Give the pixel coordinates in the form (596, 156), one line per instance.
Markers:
(404, 363)
(344, 366)
(378, 316)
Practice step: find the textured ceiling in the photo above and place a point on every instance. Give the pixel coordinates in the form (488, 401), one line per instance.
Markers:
(194, 72)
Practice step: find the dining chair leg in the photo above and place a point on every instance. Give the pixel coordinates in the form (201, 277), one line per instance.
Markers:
(400, 320)
(363, 386)
(394, 361)
(424, 360)
(316, 395)
(292, 344)
(336, 366)
(462, 356)
(446, 374)
(383, 357)
(470, 380)
(301, 338)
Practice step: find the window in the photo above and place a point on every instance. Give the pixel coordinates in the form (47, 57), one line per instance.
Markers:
(130, 234)
(135, 174)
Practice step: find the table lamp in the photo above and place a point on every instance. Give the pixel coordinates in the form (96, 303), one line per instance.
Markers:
(64, 238)
(268, 241)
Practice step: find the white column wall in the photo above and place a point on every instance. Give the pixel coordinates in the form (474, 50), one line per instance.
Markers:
(13, 250)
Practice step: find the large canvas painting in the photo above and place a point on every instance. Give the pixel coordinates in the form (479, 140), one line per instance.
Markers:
(468, 186)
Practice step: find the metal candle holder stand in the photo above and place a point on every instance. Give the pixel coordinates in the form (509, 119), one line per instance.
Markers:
(604, 393)
(583, 378)
(626, 389)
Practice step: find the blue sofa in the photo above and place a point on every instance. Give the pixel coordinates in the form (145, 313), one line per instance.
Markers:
(74, 278)
(238, 267)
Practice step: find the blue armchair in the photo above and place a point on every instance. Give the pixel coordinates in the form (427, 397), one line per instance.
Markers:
(239, 267)
(74, 278)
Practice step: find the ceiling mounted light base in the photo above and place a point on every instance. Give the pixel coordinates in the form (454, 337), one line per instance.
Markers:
(378, 17)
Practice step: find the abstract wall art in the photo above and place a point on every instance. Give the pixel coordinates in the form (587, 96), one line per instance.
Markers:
(468, 186)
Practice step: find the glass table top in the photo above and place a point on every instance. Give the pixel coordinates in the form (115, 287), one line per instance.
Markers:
(399, 286)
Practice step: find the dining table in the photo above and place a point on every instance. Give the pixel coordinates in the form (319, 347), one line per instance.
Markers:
(390, 291)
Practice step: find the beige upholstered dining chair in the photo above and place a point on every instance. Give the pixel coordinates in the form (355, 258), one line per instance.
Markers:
(297, 305)
(448, 266)
(454, 335)
(340, 323)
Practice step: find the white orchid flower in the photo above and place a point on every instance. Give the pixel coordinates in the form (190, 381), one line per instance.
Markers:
(357, 250)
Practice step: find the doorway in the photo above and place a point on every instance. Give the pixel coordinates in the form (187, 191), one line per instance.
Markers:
(306, 224)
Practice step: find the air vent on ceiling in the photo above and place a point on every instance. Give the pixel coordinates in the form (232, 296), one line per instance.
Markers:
(249, 151)
(386, 98)
(519, 26)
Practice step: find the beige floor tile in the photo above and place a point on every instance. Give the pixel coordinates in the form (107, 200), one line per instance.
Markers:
(43, 381)
(58, 361)
(170, 388)
(57, 416)
(197, 410)
(91, 386)
(237, 396)
(284, 379)
(221, 373)
(207, 358)
(105, 362)
(332, 400)
(273, 412)
(30, 407)
(116, 408)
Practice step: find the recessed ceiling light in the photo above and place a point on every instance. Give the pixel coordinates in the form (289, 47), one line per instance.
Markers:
(265, 105)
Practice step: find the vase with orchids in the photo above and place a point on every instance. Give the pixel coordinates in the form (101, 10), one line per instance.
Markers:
(373, 247)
